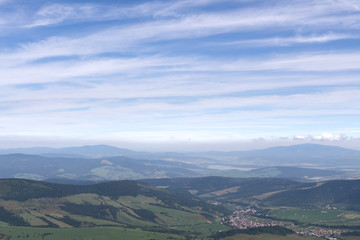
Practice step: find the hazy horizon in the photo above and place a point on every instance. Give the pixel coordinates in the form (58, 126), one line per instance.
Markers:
(256, 144)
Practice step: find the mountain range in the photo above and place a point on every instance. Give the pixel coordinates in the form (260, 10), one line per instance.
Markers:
(102, 162)
(303, 154)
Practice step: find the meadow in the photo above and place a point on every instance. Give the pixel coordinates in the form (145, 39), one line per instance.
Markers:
(328, 217)
(269, 237)
(96, 233)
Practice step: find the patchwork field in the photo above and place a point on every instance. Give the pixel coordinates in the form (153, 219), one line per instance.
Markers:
(268, 237)
(329, 217)
(96, 233)
(114, 210)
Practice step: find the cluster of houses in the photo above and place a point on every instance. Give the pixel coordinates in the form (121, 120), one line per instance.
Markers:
(246, 218)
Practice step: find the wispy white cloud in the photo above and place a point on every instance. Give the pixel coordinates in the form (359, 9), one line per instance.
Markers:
(57, 13)
(129, 37)
(316, 12)
(130, 68)
(303, 62)
(63, 70)
(299, 39)
(213, 111)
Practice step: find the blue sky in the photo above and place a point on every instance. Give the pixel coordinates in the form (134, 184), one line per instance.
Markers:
(205, 74)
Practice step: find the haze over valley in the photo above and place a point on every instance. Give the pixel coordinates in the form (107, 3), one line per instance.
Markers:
(102, 163)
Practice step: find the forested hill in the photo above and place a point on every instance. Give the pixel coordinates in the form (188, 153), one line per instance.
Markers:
(22, 190)
(340, 193)
(269, 191)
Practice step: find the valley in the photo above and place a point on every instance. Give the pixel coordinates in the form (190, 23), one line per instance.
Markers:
(128, 197)
(199, 208)
(179, 119)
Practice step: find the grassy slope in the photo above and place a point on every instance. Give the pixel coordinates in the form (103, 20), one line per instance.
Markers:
(23, 190)
(116, 204)
(97, 233)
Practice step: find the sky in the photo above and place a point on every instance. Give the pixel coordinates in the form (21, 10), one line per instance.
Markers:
(179, 74)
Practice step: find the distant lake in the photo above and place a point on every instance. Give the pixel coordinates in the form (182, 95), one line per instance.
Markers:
(226, 167)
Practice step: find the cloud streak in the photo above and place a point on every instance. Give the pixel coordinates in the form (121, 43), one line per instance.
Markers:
(288, 41)
(88, 68)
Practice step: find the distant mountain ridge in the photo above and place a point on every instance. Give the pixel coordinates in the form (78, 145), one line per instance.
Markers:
(315, 155)
(106, 150)
(85, 151)
(102, 162)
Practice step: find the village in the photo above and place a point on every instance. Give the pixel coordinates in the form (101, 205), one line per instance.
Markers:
(250, 217)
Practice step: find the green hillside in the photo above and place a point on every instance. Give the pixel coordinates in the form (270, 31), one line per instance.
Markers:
(118, 204)
(343, 194)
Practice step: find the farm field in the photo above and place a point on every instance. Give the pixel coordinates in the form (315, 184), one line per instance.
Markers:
(131, 211)
(329, 217)
(268, 237)
(183, 219)
(96, 233)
